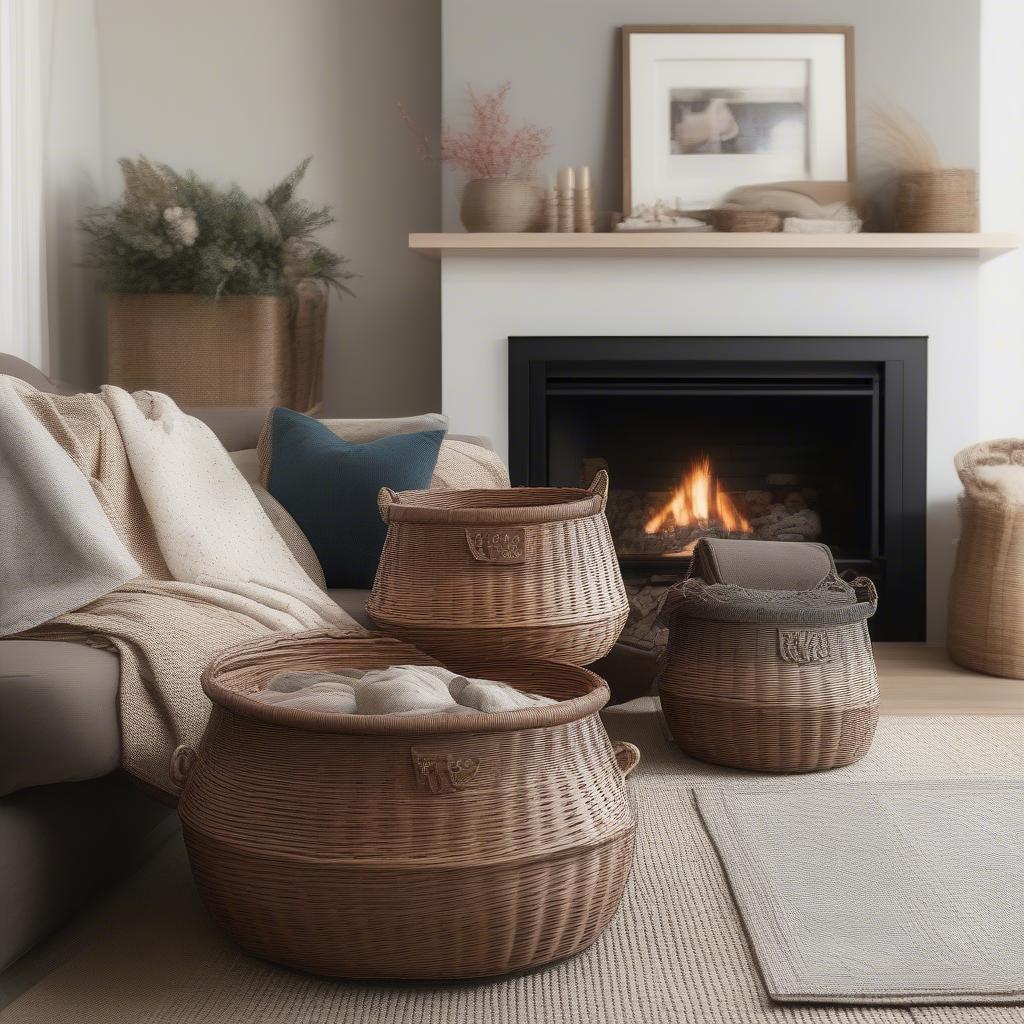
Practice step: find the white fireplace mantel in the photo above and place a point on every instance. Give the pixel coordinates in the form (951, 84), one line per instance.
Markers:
(487, 298)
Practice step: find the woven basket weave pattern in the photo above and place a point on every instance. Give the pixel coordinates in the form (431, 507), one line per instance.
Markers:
(942, 200)
(730, 697)
(434, 847)
(241, 350)
(986, 602)
(523, 572)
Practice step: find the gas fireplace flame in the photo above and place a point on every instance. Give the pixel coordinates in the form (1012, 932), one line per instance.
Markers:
(698, 502)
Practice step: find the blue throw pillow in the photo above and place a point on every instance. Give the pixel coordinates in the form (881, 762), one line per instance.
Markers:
(329, 486)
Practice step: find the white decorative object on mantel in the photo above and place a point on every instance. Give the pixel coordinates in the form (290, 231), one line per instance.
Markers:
(660, 216)
(804, 226)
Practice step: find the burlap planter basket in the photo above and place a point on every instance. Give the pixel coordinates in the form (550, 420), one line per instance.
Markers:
(240, 350)
(942, 200)
(523, 572)
(986, 600)
(426, 847)
(502, 204)
(771, 680)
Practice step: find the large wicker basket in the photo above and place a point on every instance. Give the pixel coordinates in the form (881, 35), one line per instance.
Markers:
(770, 681)
(986, 600)
(240, 350)
(426, 847)
(516, 572)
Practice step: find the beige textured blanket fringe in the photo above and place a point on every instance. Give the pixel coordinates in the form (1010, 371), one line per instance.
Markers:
(165, 631)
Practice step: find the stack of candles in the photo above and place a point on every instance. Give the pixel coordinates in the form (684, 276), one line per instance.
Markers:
(569, 205)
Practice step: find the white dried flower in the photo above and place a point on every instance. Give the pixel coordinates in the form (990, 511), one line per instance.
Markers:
(181, 225)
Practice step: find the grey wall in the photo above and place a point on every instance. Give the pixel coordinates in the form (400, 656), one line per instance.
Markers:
(243, 89)
(562, 57)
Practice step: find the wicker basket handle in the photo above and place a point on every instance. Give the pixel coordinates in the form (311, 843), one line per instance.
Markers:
(627, 756)
(183, 760)
(599, 485)
(385, 499)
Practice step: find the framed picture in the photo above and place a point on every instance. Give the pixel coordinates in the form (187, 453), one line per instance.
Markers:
(708, 108)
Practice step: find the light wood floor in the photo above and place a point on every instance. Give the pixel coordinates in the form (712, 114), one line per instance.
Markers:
(915, 679)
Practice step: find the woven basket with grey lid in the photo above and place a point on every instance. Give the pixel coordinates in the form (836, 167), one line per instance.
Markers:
(769, 663)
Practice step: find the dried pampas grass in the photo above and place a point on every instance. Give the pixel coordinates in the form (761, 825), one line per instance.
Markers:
(899, 142)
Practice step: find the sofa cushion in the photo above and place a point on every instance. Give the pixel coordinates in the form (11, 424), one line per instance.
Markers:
(58, 713)
(330, 487)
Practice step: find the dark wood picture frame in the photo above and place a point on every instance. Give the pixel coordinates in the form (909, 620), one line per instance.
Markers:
(628, 31)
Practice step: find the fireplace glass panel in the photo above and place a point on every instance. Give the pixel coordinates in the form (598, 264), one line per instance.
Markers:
(766, 466)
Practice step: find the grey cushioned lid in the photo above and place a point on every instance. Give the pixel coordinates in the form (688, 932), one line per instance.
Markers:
(762, 564)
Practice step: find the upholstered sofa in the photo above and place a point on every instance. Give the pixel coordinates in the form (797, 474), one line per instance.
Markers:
(69, 820)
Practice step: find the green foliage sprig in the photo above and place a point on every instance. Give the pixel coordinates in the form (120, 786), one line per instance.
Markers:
(174, 232)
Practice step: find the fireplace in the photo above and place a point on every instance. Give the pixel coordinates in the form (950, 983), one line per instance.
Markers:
(786, 439)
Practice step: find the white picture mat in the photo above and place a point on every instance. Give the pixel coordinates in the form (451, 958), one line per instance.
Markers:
(662, 60)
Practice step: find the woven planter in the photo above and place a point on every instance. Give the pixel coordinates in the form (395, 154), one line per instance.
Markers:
(502, 204)
(426, 847)
(525, 572)
(986, 601)
(769, 682)
(943, 200)
(241, 350)
(745, 220)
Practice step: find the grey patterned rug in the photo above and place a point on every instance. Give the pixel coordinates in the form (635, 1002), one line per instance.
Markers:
(909, 892)
(676, 952)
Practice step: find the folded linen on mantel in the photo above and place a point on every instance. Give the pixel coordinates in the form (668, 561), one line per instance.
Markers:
(214, 571)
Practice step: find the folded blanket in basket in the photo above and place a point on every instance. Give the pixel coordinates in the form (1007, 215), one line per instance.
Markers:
(204, 566)
(398, 690)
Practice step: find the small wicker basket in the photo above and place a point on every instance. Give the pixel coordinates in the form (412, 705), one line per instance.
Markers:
(370, 846)
(767, 681)
(940, 200)
(525, 572)
(745, 220)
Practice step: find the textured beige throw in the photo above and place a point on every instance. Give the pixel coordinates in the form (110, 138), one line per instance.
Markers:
(675, 953)
(231, 576)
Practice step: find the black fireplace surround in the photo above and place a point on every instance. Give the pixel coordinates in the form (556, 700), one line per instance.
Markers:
(832, 429)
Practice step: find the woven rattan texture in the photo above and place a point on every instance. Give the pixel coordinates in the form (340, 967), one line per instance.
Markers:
(434, 848)
(765, 698)
(241, 350)
(941, 200)
(986, 601)
(521, 572)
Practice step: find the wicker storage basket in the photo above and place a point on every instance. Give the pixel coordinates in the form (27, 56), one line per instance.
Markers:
(241, 350)
(986, 602)
(942, 200)
(773, 681)
(425, 847)
(518, 572)
(745, 220)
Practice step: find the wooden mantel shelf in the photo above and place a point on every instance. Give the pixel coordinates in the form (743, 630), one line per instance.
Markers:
(654, 243)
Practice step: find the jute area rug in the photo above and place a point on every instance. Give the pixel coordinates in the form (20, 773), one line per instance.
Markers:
(675, 953)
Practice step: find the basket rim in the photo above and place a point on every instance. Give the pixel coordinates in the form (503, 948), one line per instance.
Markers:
(498, 506)
(251, 652)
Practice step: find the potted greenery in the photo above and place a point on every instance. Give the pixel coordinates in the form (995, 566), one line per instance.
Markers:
(215, 297)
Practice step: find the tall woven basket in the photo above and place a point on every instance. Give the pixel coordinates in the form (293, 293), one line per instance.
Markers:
(516, 572)
(429, 847)
(986, 600)
(240, 350)
(771, 680)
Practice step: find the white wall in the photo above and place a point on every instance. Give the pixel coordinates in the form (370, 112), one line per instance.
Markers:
(487, 299)
(242, 90)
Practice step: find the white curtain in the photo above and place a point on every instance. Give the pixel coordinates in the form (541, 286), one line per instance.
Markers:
(23, 300)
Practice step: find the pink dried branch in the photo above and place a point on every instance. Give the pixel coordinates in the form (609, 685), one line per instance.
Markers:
(488, 148)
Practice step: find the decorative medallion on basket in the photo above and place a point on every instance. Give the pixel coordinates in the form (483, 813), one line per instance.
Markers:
(769, 662)
(442, 773)
(325, 841)
(804, 646)
(505, 573)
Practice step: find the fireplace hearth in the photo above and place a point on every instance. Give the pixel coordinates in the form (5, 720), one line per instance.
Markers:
(791, 439)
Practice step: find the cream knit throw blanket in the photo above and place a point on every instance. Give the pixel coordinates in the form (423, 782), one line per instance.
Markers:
(215, 572)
